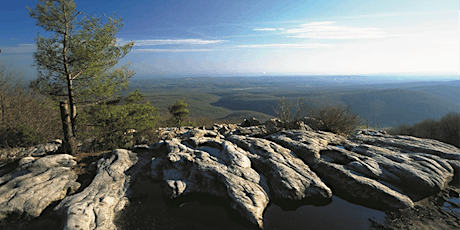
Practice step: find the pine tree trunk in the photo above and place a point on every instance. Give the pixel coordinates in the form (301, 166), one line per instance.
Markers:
(73, 109)
(69, 139)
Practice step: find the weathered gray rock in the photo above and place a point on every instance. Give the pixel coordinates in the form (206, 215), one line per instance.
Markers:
(389, 173)
(274, 122)
(307, 144)
(334, 165)
(415, 173)
(359, 188)
(36, 183)
(409, 144)
(247, 166)
(287, 175)
(36, 151)
(96, 206)
(224, 172)
(251, 122)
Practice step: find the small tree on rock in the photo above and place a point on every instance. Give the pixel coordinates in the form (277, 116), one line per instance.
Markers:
(76, 62)
(180, 113)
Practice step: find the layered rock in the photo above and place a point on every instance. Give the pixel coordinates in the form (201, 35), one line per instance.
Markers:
(36, 183)
(9, 154)
(288, 176)
(370, 168)
(372, 175)
(221, 170)
(247, 166)
(95, 207)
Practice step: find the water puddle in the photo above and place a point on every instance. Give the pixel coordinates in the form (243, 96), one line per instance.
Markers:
(452, 207)
(152, 211)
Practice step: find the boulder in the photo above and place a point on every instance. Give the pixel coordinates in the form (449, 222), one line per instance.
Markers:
(273, 123)
(251, 122)
(224, 172)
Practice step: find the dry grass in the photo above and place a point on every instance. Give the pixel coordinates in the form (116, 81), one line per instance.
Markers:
(26, 118)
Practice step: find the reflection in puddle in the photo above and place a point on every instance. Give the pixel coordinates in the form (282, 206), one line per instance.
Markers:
(206, 212)
(454, 206)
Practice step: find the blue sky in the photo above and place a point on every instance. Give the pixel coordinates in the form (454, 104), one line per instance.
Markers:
(247, 37)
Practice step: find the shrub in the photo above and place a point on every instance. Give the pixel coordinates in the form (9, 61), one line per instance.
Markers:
(446, 129)
(24, 112)
(284, 110)
(336, 118)
(20, 136)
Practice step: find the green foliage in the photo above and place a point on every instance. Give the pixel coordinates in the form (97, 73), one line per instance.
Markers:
(81, 49)
(20, 136)
(77, 61)
(446, 129)
(110, 123)
(180, 114)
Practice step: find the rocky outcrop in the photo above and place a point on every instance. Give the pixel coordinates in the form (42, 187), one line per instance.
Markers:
(247, 166)
(96, 206)
(216, 167)
(371, 174)
(292, 165)
(288, 176)
(36, 183)
(9, 154)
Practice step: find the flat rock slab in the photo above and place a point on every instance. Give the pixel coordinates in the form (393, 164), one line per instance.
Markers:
(36, 183)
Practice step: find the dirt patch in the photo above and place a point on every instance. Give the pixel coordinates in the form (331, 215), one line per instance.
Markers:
(435, 212)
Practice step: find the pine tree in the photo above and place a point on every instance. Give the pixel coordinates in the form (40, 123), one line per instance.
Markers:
(180, 113)
(109, 123)
(76, 62)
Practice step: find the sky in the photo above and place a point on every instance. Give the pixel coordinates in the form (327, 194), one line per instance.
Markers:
(257, 37)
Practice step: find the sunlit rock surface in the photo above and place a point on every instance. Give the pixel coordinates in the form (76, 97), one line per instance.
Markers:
(36, 183)
(96, 206)
(249, 167)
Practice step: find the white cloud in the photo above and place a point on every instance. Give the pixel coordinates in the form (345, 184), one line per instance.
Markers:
(170, 50)
(154, 42)
(301, 46)
(264, 29)
(21, 48)
(325, 30)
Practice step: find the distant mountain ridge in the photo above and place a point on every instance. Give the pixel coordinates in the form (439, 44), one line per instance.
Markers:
(383, 103)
